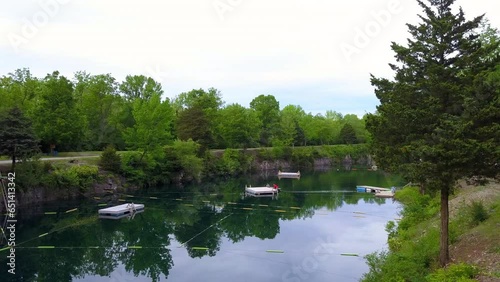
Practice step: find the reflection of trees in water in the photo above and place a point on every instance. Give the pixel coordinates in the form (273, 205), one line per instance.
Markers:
(204, 233)
(200, 219)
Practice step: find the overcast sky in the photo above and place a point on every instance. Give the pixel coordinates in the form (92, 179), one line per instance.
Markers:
(317, 53)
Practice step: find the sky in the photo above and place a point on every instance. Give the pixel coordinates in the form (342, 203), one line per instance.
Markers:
(316, 54)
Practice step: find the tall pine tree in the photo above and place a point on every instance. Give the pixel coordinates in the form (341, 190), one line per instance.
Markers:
(17, 139)
(436, 119)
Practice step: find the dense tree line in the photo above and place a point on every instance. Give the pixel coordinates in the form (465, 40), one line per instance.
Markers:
(89, 112)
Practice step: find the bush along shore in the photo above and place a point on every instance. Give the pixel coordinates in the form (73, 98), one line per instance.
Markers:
(180, 163)
(414, 240)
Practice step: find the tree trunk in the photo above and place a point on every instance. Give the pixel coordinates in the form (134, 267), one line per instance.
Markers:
(13, 163)
(444, 255)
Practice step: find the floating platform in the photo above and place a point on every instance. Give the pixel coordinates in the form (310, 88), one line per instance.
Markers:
(288, 174)
(261, 191)
(121, 210)
(129, 215)
(384, 194)
(370, 189)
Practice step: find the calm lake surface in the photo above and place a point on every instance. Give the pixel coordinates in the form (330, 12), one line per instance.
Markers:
(210, 232)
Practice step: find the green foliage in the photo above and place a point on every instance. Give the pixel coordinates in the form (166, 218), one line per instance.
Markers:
(436, 121)
(460, 272)
(140, 87)
(267, 109)
(135, 167)
(55, 117)
(110, 160)
(478, 212)
(99, 103)
(238, 126)
(231, 162)
(17, 139)
(153, 121)
(348, 135)
(187, 155)
(32, 174)
(78, 176)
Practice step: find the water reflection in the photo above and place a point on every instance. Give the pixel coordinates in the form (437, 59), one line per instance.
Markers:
(211, 233)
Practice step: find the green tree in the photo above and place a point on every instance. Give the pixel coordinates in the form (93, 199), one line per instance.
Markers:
(268, 110)
(98, 101)
(193, 123)
(55, 117)
(291, 131)
(17, 139)
(139, 87)
(153, 125)
(436, 121)
(238, 126)
(348, 135)
(197, 112)
(18, 89)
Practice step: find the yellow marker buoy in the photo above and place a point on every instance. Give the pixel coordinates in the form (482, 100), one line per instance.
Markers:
(199, 248)
(275, 251)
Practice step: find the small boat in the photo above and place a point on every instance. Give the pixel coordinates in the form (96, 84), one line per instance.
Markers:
(288, 174)
(120, 210)
(266, 191)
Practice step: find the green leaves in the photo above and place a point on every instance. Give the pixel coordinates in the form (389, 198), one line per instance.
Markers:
(152, 129)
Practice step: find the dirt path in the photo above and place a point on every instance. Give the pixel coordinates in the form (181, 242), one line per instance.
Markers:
(479, 246)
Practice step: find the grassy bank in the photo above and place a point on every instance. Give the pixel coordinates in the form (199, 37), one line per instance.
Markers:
(414, 240)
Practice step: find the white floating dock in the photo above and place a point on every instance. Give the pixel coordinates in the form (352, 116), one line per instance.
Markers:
(384, 194)
(120, 210)
(261, 191)
(130, 215)
(288, 174)
(370, 189)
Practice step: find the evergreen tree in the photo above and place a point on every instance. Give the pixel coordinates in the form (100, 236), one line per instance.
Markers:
(436, 121)
(348, 135)
(17, 139)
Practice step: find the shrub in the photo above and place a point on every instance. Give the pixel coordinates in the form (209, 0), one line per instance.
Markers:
(478, 213)
(81, 177)
(454, 273)
(110, 160)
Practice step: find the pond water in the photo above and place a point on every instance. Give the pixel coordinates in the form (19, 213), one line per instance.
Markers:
(318, 229)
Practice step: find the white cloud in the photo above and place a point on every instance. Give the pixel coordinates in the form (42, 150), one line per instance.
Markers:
(281, 44)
